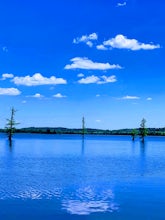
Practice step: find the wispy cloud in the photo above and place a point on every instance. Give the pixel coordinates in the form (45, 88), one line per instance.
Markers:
(122, 42)
(7, 76)
(85, 63)
(59, 95)
(121, 4)
(37, 79)
(107, 79)
(97, 80)
(9, 91)
(51, 88)
(130, 97)
(149, 99)
(5, 49)
(89, 80)
(87, 39)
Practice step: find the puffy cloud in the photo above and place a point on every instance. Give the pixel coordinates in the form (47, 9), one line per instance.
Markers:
(98, 80)
(9, 91)
(101, 47)
(89, 43)
(87, 39)
(80, 75)
(7, 76)
(130, 97)
(122, 42)
(59, 95)
(37, 79)
(121, 4)
(85, 63)
(37, 95)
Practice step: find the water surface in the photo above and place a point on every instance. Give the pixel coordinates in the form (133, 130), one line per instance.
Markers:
(65, 177)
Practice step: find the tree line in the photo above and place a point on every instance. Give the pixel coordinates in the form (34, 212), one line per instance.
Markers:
(142, 131)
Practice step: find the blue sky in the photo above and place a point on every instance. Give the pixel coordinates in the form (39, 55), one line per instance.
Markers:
(101, 59)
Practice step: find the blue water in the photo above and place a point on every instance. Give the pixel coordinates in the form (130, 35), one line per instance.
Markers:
(63, 177)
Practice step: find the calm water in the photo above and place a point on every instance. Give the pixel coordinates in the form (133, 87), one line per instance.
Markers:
(100, 178)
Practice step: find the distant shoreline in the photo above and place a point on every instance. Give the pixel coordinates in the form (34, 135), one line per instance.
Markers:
(90, 131)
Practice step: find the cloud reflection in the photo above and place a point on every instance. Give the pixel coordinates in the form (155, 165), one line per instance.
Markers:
(87, 200)
(78, 201)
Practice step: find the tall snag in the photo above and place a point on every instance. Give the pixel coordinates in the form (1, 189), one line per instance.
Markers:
(143, 129)
(10, 125)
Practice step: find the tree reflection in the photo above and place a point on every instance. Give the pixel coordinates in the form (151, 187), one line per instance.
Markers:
(82, 146)
(143, 158)
(142, 149)
(10, 145)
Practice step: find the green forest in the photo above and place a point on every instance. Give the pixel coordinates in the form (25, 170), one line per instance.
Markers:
(142, 131)
(61, 130)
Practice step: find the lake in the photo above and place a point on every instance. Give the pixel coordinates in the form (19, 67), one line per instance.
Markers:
(98, 178)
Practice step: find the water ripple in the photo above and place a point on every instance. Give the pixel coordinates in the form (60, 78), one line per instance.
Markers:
(79, 200)
(30, 193)
(88, 207)
(89, 200)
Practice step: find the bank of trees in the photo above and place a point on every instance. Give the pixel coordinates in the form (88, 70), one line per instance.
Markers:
(141, 132)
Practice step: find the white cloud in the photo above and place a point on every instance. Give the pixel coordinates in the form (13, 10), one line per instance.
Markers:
(107, 79)
(93, 36)
(9, 91)
(59, 95)
(7, 76)
(87, 39)
(89, 43)
(101, 47)
(98, 120)
(85, 63)
(24, 102)
(98, 80)
(37, 79)
(149, 99)
(121, 4)
(130, 97)
(80, 75)
(97, 95)
(122, 42)
(89, 80)
(37, 95)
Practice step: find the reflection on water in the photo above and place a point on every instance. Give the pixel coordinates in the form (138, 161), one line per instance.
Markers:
(85, 201)
(83, 146)
(143, 146)
(143, 163)
(88, 207)
(10, 143)
(80, 201)
(31, 193)
(97, 175)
